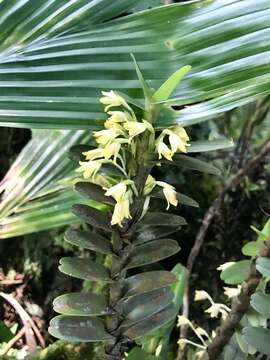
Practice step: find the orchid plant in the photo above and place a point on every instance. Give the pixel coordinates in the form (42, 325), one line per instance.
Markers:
(117, 172)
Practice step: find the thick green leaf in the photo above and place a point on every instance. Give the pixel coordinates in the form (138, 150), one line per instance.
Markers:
(88, 240)
(167, 88)
(55, 61)
(244, 346)
(261, 303)
(151, 252)
(191, 163)
(92, 216)
(148, 233)
(153, 322)
(186, 200)
(161, 337)
(162, 219)
(236, 273)
(251, 248)
(233, 351)
(258, 338)
(263, 266)
(78, 328)
(81, 304)
(147, 281)
(85, 269)
(94, 192)
(140, 307)
(209, 145)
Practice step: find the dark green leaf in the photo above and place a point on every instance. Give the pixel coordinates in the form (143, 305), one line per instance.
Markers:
(236, 273)
(209, 145)
(191, 163)
(84, 269)
(263, 266)
(162, 219)
(148, 233)
(78, 328)
(186, 200)
(258, 338)
(155, 321)
(147, 281)
(92, 216)
(81, 304)
(93, 191)
(88, 240)
(152, 252)
(161, 337)
(140, 307)
(261, 303)
(5, 333)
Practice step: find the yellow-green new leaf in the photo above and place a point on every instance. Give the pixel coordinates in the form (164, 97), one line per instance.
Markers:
(167, 88)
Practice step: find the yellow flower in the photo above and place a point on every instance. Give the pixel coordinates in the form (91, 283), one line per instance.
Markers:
(89, 168)
(232, 292)
(93, 154)
(215, 309)
(181, 132)
(119, 116)
(135, 128)
(182, 320)
(163, 150)
(121, 212)
(111, 150)
(169, 193)
(112, 99)
(117, 191)
(201, 295)
(103, 137)
(177, 143)
(149, 185)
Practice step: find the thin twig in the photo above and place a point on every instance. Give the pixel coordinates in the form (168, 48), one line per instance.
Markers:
(206, 222)
(239, 307)
(29, 325)
(13, 341)
(29, 335)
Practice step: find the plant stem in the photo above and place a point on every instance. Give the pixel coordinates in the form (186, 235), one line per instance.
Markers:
(122, 248)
